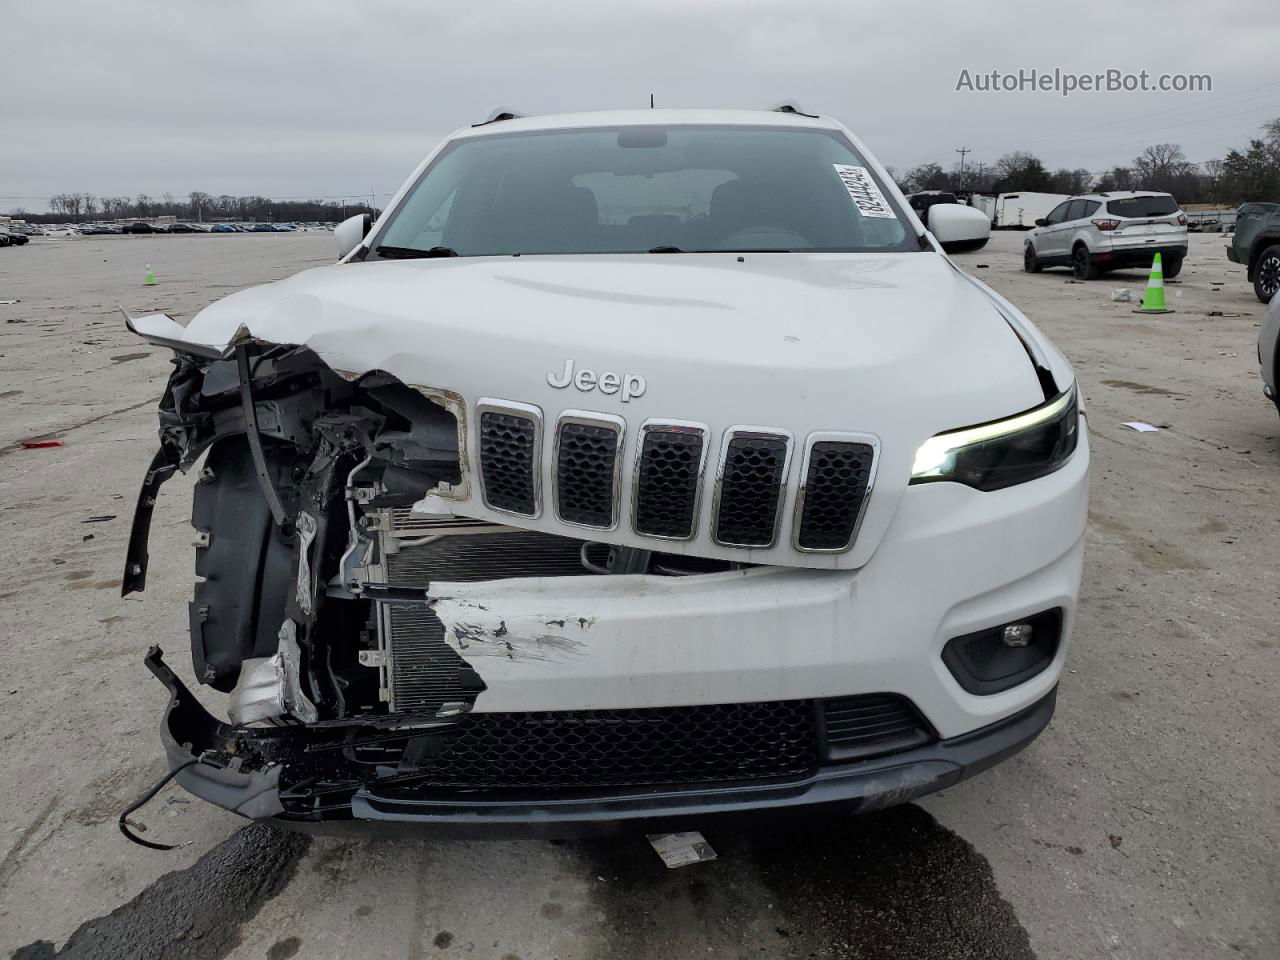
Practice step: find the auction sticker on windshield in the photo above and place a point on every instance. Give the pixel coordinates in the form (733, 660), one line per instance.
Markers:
(864, 193)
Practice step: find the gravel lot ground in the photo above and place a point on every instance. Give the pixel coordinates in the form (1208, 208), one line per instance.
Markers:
(1143, 823)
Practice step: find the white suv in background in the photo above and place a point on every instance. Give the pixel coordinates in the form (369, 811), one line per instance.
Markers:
(1098, 232)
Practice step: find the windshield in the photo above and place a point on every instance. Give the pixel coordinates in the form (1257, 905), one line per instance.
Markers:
(1160, 206)
(646, 189)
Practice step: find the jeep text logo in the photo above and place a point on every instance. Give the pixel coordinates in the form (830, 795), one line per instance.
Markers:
(631, 384)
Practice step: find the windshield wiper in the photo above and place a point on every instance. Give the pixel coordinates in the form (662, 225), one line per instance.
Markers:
(413, 253)
(666, 248)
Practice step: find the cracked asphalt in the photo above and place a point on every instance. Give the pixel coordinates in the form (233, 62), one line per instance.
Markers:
(1143, 823)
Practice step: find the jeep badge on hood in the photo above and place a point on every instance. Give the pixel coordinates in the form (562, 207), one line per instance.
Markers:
(631, 384)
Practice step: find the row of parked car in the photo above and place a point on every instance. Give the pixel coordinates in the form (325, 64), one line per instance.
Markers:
(143, 226)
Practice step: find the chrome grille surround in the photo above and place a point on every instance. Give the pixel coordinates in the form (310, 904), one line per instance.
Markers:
(825, 437)
(726, 473)
(604, 421)
(526, 411)
(677, 427)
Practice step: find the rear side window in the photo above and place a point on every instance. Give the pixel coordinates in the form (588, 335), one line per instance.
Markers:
(1057, 214)
(1161, 206)
(1077, 210)
(1090, 208)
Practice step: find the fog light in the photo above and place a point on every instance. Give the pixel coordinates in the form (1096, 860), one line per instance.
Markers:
(1004, 655)
(1017, 635)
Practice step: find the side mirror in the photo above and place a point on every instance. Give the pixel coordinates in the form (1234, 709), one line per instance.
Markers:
(350, 232)
(1041, 222)
(959, 228)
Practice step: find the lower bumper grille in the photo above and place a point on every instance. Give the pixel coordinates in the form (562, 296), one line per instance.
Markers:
(670, 745)
(596, 748)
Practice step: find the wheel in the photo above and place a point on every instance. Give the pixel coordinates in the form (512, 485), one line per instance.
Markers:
(1266, 275)
(1082, 265)
(1171, 267)
(1030, 262)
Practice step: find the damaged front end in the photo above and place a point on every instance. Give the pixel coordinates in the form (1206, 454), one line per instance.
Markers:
(322, 519)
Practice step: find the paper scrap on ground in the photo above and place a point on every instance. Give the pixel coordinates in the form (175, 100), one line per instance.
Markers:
(1140, 426)
(681, 849)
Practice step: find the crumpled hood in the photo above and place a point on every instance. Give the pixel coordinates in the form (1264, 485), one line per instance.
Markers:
(899, 345)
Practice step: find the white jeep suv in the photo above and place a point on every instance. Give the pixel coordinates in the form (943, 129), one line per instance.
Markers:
(635, 466)
(1098, 232)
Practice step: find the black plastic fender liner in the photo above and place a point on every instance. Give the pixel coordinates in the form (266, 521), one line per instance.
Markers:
(187, 731)
(245, 566)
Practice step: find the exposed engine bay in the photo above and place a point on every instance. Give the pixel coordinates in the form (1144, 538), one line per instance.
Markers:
(313, 605)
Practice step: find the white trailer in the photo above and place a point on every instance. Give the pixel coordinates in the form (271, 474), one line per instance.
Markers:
(1020, 211)
(987, 204)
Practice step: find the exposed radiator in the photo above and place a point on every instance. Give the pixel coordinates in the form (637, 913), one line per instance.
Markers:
(422, 672)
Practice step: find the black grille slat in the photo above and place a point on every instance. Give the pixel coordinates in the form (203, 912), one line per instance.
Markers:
(599, 748)
(836, 481)
(586, 465)
(750, 484)
(507, 462)
(667, 483)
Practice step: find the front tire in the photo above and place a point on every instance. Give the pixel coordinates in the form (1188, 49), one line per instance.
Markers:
(1082, 265)
(1030, 262)
(1266, 275)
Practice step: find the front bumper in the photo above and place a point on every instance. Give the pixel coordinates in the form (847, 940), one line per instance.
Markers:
(191, 733)
(954, 561)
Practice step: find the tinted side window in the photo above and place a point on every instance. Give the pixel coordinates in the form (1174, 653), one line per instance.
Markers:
(1058, 213)
(1076, 210)
(1090, 208)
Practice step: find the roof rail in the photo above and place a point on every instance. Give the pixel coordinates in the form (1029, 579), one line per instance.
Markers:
(499, 114)
(790, 106)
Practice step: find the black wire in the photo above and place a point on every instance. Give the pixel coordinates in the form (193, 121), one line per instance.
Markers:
(146, 798)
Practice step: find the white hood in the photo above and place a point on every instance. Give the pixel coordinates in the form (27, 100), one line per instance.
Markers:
(899, 345)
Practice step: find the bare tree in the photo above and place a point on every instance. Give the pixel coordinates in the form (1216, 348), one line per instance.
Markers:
(926, 176)
(1160, 165)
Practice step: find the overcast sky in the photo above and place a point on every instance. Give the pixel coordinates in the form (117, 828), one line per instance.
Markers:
(302, 99)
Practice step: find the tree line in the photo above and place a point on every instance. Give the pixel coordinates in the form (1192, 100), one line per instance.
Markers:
(197, 206)
(1249, 173)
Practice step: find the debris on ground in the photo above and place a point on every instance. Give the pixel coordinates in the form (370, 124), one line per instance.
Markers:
(41, 444)
(1140, 426)
(681, 849)
(100, 519)
(1123, 295)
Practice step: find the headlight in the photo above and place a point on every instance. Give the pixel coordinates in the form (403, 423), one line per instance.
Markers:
(997, 455)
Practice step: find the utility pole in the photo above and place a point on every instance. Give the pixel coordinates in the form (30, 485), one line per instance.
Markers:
(962, 151)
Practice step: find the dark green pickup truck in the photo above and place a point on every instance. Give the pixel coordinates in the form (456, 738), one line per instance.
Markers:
(1256, 244)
